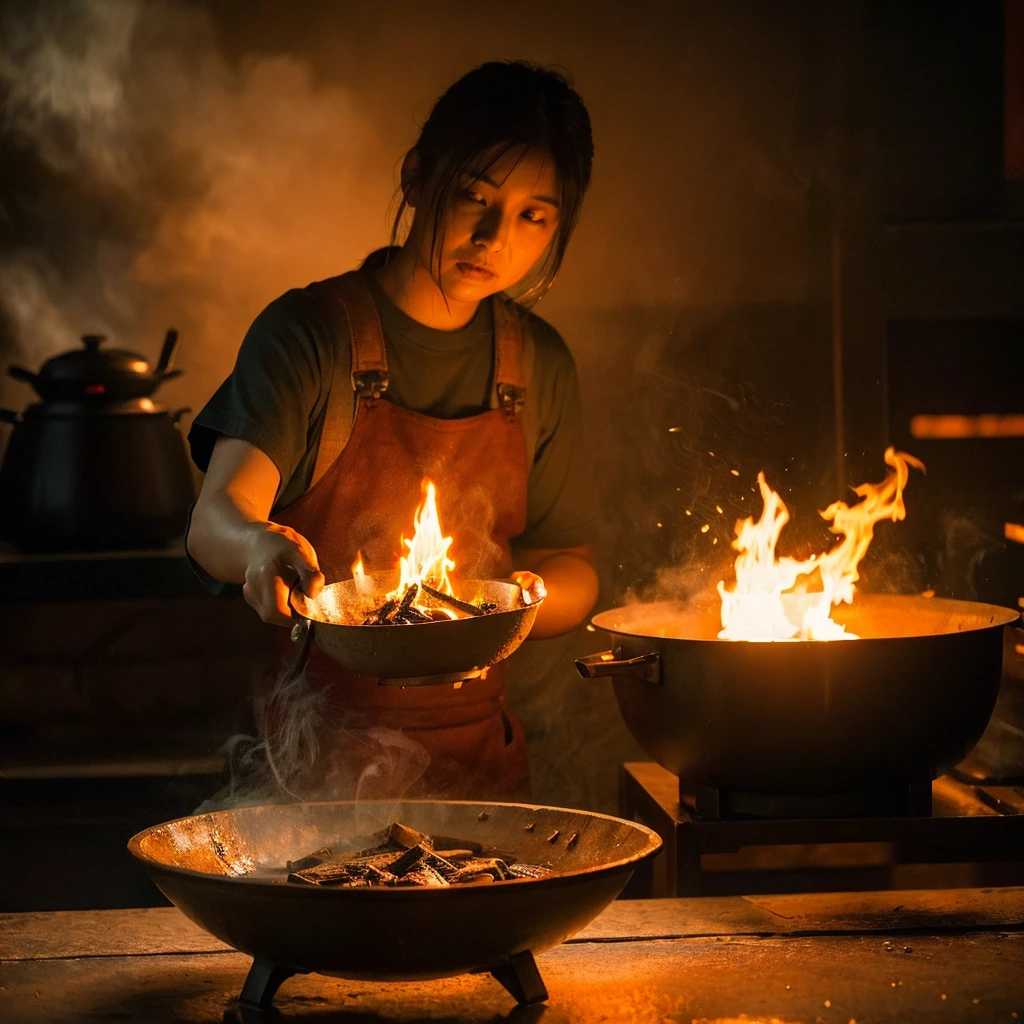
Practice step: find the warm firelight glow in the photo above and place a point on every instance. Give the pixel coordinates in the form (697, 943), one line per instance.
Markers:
(426, 554)
(937, 428)
(791, 599)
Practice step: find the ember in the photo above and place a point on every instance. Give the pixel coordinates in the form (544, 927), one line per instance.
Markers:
(404, 857)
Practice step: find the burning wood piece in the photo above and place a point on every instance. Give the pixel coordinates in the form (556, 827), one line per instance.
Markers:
(529, 870)
(402, 856)
(454, 602)
(381, 617)
(454, 846)
(424, 874)
(403, 611)
(408, 597)
(493, 866)
(309, 861)
(402, 836)
(326, 874)
(406, 861)
(444, 867)
(411, 615)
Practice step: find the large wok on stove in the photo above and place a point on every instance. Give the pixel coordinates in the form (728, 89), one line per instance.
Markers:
(224, 871)
(421, 652)
(890, 710)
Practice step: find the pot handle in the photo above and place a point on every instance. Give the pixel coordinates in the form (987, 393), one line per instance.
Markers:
(10, 416)
(20, 373)
(163, 365)
(644, 667)
(176, 416)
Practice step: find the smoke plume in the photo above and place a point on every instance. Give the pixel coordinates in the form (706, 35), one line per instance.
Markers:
(148, 182)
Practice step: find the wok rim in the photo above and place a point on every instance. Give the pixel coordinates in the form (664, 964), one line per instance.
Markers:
(405, 626)
(653, 845)
(1008, 617)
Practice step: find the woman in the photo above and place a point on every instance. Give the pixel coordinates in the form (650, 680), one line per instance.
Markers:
(347, 393)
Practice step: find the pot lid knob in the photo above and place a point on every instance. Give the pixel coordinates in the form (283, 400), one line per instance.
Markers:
(92, 342)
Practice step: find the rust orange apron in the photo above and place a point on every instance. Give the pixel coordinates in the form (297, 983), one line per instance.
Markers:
(374, 739)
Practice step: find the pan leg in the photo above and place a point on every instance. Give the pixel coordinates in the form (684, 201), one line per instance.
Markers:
(519, 975)
(262, 983)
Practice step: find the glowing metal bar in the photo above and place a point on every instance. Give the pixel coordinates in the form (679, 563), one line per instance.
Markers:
(987, 425)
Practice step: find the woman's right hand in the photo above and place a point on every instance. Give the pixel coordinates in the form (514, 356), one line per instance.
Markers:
(279, 557)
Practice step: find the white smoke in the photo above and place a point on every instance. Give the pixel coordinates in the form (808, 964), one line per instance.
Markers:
(151, 183)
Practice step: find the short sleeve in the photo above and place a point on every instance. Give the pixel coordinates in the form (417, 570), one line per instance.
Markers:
(560, 489)
(277, 389)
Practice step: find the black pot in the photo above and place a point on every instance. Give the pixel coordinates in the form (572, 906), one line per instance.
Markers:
(94, 466)
(902, 704)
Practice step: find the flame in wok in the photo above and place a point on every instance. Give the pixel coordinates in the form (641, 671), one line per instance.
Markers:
(426, 559)
(754, 609)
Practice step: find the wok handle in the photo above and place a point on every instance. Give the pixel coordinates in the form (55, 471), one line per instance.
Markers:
(302, 637)
(302, 622)
(644, 667)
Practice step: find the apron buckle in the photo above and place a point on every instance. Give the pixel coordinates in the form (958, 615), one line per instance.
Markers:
(370, 383)
(511, 397)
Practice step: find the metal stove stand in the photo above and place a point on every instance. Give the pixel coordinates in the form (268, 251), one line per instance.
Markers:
(517, 974)
(704, 855)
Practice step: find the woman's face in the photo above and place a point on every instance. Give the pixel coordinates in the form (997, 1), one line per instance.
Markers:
(498, 225)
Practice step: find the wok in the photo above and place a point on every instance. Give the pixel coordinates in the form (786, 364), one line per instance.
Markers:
(223, 870)
(421, 652)
(897, 707)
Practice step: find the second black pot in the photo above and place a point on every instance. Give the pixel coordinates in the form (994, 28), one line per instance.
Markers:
(76, 477)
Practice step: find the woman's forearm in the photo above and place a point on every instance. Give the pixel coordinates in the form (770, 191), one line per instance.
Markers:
(222, 535)
(232, 538)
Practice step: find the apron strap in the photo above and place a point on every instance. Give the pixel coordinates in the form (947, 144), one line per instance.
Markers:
(349, 297)
(509, 378)
(366, 336)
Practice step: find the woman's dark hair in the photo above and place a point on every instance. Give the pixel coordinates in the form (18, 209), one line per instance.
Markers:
(498, 107)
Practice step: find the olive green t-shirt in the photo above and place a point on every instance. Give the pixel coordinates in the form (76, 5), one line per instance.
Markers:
(276, 398)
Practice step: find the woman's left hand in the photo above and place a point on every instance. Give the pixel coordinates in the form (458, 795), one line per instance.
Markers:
(532, 585)
(569, 582)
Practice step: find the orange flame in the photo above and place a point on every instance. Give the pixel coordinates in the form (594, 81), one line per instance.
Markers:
(763, 604)
(426, 559)
(426, 555)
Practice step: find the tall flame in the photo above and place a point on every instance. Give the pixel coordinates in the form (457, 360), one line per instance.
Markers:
(426, 558)
(755, 608)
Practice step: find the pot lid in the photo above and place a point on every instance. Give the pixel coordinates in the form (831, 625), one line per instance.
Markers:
(93, 363)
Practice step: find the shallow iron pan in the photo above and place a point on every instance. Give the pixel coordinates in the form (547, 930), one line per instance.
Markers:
(219, 869)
